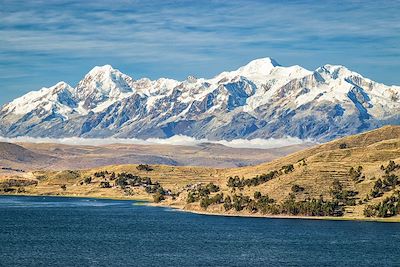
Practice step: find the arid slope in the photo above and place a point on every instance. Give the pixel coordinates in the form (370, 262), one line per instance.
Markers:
(314, 170)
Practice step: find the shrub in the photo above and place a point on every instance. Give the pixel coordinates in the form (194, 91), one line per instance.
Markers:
(287, 168)
(212, 188)
(343, 146)
(144, 167)
(297, 188)
(191, 198)
(158, 197)
(257, 195)
(105, 184)
(356, 174)
(389, 207)
(227, 203)
(255, 181)
(87, 180)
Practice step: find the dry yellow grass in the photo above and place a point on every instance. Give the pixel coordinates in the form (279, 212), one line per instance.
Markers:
(323, 164)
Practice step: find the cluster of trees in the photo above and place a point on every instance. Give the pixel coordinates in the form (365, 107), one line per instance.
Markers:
(390, 206)
(207, 200)
(255, 181)
(266, 205)
(155, 188)
(124, 179)
(236, 182)
(144, 167)
(103, 174)
(18, 183)
(127, 179)
(158, 197)
(87, 180)
(388, 182)
(356, 174)
(105, 184)
(261, 203)
(343, 197)
(202, 191)
(392, 166)
(237, 202)
(7, 189)
(311, 207)
(287, 168)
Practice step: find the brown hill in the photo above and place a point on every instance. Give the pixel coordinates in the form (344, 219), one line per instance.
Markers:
(16, 156)
(210, 155)
(314, 173)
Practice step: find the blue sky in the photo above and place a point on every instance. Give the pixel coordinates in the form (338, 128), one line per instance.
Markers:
(43, 42)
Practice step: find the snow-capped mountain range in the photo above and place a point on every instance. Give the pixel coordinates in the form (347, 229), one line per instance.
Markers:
(259, 100)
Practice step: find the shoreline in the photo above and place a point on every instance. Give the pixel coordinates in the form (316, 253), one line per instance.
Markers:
(177, 208)
(294, 217)
(75, 196)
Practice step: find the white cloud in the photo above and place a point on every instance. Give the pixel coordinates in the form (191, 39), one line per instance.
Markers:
(174, 140)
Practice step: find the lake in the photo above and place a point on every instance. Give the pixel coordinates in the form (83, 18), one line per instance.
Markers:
(55, 231)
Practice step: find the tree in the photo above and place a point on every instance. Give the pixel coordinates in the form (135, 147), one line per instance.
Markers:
(288, 168)
(297, 188)
(158, 197)
(144, 167)
(391, 180)
(257, 195)
(343, 146)
(212, 187)
(227, 203)
(205, 202)
(105, 184)
(88, 180)
(252, 206)
(190, 198)
(336, 189)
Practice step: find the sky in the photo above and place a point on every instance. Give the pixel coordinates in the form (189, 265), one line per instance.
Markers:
(43, 42)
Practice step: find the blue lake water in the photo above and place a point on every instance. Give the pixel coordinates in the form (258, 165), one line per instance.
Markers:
(52, 231)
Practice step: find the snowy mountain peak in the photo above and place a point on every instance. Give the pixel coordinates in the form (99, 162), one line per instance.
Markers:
(259, 66)
(99, 70)
(61, 86)
(101, 84)
(45, 98)
(191, 79)
(259, 100)
(336, 71)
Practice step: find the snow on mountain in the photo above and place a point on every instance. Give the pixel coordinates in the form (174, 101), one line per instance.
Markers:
(259, 100)
(57, 97)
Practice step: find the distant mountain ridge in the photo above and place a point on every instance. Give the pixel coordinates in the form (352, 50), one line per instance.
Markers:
(259, 100)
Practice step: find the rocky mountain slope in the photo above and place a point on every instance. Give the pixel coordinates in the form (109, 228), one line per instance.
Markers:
(259, 100)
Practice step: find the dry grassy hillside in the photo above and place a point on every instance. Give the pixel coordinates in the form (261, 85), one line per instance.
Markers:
(328, 161)
(310, 176)
(16, 156)
(90, 156)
